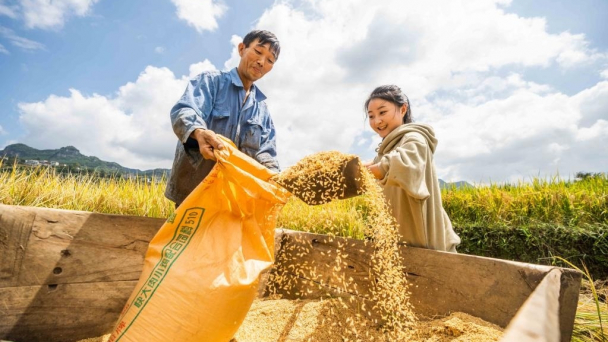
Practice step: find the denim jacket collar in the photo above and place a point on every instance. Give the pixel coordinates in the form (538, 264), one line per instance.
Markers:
(236, 80)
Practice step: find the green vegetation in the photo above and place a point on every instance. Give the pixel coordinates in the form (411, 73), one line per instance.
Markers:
(47, 187)
(554, 201)
(533, 222)
(68, 160)
(555, 221)
(64, 155)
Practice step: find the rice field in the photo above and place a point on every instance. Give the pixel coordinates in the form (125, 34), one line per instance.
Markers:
(564, 202)
(44, 187)
(568, 203)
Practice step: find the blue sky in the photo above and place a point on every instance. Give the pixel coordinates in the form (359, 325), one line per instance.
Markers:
(514, 89)
(108, 47)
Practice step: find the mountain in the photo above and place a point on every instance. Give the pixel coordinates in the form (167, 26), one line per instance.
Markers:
(452, 185)
(71, 156)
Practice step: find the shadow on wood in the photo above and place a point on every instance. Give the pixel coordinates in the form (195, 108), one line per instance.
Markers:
(65, 275)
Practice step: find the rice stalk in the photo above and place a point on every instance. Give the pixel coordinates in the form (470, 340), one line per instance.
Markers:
(587, 325)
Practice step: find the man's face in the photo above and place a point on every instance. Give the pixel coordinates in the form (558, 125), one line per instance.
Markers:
(256, 60)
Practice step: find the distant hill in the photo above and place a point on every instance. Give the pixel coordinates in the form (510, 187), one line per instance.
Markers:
(70, 155)
(457, 185)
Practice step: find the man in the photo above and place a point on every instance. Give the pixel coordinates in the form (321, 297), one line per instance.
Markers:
(226, 103)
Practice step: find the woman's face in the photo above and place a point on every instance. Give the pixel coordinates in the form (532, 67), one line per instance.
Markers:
(384, 116)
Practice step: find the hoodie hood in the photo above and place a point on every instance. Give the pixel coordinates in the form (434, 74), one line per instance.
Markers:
(394, 137)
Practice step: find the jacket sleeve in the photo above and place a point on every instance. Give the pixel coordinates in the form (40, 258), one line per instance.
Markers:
(194, 107)
(267, 155)
(191, 112)
(405, 166)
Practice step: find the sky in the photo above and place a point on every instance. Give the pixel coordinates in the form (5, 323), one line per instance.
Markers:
(514, 89)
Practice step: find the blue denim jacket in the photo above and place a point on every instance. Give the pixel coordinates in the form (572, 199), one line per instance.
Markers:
(214, 100)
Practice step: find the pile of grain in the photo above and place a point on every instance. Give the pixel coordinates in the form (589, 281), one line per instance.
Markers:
(273, 320)
(327, 320)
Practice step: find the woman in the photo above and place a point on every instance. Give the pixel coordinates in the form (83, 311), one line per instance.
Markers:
(404, 167)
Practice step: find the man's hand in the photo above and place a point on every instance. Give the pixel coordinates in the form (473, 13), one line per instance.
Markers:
(207, 142)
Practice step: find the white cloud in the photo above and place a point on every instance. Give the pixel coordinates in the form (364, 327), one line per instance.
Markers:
(604, 74)
(525, 134)
(592, 133)
(159, 49)
(504, 138)
(2, 131)
(200, 14)
(580, 53)
(234, 59)
(3, 50)
(46, 14)
(198, 68)
(19, 41)
(447, 57)
(593, 103)
(132, 128)
(9, 11)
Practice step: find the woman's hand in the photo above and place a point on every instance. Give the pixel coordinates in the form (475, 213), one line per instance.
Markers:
(374, 169)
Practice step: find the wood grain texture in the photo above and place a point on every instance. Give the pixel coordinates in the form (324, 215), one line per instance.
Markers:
(570, 284)
(66, 275)
(15, 230)
(526, 325)
(63, 312)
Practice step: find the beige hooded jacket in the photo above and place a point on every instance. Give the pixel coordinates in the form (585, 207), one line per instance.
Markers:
(412, 189)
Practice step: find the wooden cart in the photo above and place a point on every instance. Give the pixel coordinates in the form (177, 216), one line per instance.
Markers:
(65, 275)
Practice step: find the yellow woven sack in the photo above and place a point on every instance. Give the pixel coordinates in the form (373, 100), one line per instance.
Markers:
(201, 270)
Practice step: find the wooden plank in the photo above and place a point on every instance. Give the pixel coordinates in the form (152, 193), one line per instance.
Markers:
(570, 283)
(74, 247)
(488, 288)
(75, 274)
(15, 228)
(543, 302)
(63, 312)
(441, 283)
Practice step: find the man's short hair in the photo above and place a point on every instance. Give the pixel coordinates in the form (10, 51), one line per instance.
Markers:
(264, 37)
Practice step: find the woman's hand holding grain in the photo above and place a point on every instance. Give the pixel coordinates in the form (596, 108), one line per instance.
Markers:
(374, 169)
